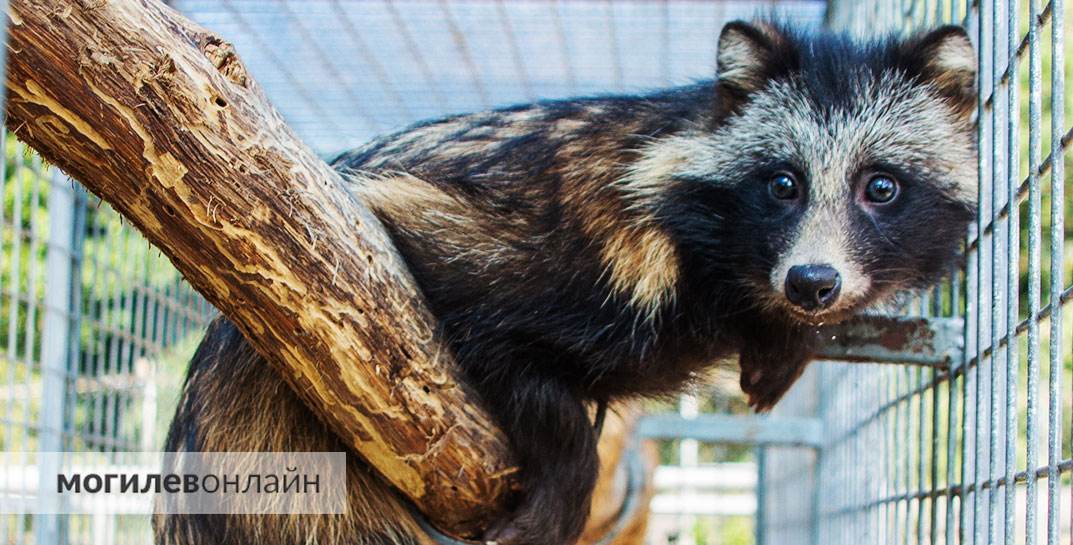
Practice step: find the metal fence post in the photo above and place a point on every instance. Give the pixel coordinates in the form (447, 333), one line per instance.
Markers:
(761, 494)
(55, 347)
(821, 455)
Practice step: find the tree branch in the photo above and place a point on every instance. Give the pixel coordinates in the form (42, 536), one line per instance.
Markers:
(159, 117)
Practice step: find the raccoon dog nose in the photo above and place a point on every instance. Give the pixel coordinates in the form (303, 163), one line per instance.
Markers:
(813, 287)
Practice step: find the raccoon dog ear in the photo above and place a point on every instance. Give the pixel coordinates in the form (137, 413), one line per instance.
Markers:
(945, 58)
(744, 53)
(750, 54)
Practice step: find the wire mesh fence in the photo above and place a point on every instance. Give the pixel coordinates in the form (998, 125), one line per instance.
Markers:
(343, 71)
(95, 328)
(978, 452)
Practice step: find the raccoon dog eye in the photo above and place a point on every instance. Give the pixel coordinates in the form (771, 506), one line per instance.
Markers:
(881, 189)
(783, 187)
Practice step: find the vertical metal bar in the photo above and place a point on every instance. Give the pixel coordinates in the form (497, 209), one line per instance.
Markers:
(136, 347)
(849, 461)
(907, 440)
(145, 367)
(922, 442)
(983, 290)
(861, 483)
(874, 498)
(119, 337)
(881, 490)
(1057, 238)
(955, 489)
(1034, 270)
(893, 395)
(55, 339)
(890, 439)
(985, 384)
(30, 328)
(688, 456)
(1013, 243)
(69, 526)
(78, 325)
(970, 375)
(997, 264)
(100, 283)
(950, 531)
(882, 430)
(109, 430)
(934, 460)
(128, 339)
(819, 468)
(761, 496)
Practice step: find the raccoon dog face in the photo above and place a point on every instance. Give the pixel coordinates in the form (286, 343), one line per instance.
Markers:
(840, 172)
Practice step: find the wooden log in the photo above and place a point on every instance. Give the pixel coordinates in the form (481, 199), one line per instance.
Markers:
(160, 118)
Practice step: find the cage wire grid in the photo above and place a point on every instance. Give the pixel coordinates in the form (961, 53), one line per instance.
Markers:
(90, 316)
(976, 452)
(344, 71)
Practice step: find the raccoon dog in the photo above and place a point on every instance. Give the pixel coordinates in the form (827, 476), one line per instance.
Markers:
(586, 250)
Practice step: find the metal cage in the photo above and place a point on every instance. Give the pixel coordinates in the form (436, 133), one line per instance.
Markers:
(977, 451)
(960, 434)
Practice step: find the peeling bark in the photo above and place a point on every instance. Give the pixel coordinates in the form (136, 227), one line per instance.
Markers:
(160, 118)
